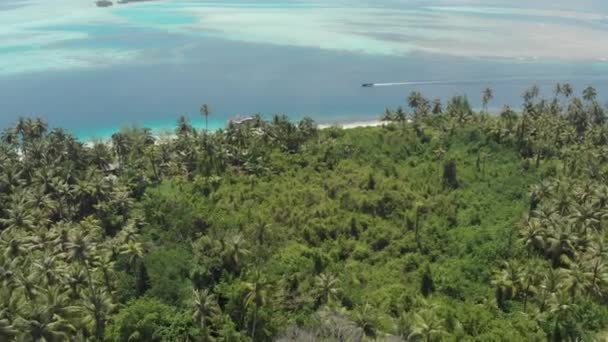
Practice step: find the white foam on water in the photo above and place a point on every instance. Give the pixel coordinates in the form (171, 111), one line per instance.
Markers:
(382, 29)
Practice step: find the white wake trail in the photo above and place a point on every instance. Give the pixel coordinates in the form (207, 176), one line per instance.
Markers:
(465, 81)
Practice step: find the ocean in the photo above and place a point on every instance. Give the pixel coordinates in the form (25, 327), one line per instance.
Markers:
(93, 70)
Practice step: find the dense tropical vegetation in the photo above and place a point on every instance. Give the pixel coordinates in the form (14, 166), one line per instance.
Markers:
(442, 225)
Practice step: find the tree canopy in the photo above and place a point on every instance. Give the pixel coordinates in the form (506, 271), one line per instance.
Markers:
(445, 224)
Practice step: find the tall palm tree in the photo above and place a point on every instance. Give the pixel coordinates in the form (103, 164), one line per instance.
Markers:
(561, 311)
(576, 279)
(567, 90)
(486, 96)
(530, 278)
(204, 308)
(436, 107)
(427, 326)
(589, 94)
(327, 288)
(256, 297)
(366, 320)
(235, 251)
(205, 112)
(388, 116)
(533, 235)
(97, 305)
(507, 281)
(134, 252)
(557, 90)
(400, 116)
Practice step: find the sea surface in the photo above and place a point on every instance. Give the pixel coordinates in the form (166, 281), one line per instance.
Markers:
(93, 70)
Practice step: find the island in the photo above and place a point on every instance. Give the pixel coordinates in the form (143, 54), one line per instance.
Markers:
(103, 3)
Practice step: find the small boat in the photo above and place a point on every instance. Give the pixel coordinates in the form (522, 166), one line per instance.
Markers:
(367, 85)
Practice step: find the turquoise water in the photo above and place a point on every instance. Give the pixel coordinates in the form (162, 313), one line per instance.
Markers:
(94, 70)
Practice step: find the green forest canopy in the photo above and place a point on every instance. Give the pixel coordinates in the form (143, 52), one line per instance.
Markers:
(444, 224)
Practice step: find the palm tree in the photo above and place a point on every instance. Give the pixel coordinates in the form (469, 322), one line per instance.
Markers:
(486, 96)
(400, 116)
(76, 279)
(596, 273)
(589, 94)
(561, 241)
(507, 282)
(561, 311)
(419, 104)
(585, 216)
(122, 145)
(97, 307)
(184, 128)
(576, 279)
(533, 235)
(205, 112)
(551, 282)
(436, 107)
(388, 116)
(510, 117)
(366, 320)
(234, 252)
(567, 90)
(557, 90)
(327, 288)
(41, 325)
(531, 93)
(134, 251)
(204, 308)
(427, 326)
(530, 278)
(18, 216)
(256, 297)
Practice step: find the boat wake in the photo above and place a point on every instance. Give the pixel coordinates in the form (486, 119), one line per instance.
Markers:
(470, 81)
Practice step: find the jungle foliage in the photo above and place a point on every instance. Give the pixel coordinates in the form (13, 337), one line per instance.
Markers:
(444, 224)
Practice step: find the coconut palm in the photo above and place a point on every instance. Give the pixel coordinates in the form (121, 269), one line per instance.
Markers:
(561, 311)
(589, 94)
(256, 296)
(42, 325)
(205, 112)
(400, 116)
(552, 281)
(204, 308)
(486, 96)
(585, 217)
(533, 235)
(18, 216)
(327, 288)
(567, 90)
(235, 251)
(367, 320)
(388, 116)
(557, 90)
(596, 274)
(427, 326)
(436, 107)
(507, 281)
(97, 306)
(134, 252)
(530, 278)
(561, 241)
(576, 279)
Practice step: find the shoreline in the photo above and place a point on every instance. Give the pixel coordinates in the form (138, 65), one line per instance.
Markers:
(351, 124)
(163, 133)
